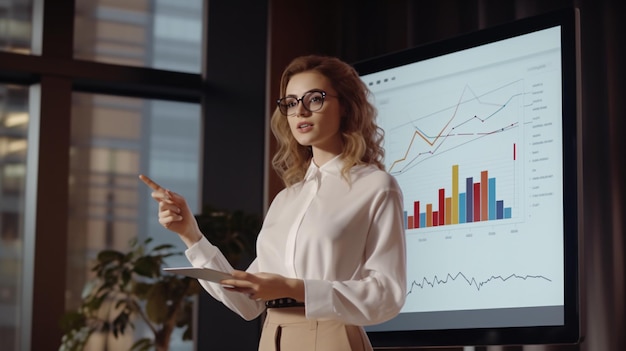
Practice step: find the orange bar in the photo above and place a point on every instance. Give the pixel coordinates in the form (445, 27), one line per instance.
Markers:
(410, 224)
(429, 215)
(484, 196)
(448, 208)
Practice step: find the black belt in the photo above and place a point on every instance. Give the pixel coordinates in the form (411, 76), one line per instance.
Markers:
(283, 302)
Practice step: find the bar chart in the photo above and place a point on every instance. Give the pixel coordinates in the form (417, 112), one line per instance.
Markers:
(478, 202)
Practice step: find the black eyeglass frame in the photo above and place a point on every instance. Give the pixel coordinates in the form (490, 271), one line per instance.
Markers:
(301, 100)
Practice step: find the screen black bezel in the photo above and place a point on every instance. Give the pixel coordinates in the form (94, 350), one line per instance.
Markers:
(569, 332)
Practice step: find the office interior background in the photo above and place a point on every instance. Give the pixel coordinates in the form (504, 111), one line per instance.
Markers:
(94, 92)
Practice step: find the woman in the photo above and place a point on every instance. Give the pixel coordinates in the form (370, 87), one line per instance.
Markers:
(331, 251)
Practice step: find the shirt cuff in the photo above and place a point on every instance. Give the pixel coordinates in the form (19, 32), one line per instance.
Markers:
(318, 299)
(202, 252)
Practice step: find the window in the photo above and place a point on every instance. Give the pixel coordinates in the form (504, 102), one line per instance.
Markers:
(113, 140)
(135, 67)
(14, 120)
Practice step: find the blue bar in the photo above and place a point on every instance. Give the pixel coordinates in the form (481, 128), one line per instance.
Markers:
(423, 220)
(492, 198)
(500, 210)
(462, 205)
(507, 212)
(469, 191)
(406, 220)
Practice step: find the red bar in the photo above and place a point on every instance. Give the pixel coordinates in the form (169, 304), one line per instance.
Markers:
(514, 151)
(476, 202)
(442, 205)
(435, 218)
(416, 214)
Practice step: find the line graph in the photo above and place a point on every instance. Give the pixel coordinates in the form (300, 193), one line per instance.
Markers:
(454, 126)
(435, 281)
(411, 162)
(482, 288)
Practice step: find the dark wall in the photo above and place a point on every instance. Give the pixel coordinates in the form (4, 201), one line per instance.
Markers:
(234, 134)
(234, 115)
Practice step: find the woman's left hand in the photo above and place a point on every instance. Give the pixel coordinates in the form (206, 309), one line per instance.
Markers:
(264, 286)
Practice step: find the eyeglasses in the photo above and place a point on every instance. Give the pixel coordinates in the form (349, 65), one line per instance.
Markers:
(312, 101)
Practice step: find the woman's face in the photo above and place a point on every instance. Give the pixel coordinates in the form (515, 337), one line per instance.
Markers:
(318, 129)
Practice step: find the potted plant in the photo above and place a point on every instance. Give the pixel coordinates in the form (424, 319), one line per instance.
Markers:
(132, 285)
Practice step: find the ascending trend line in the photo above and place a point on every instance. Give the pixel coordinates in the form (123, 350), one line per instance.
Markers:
(432, 152)
(431, 140)
(478, 285)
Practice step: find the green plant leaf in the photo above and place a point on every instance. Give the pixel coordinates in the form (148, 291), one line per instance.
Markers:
(143, 344)
(186, 314)
(126, 277)
(188, 333)
(94, 302)
(75, 339)
(141, 289)
(72, 320)
(163, 247)
(119, 324)
(107, 256)
(148, 266)
(156, 304)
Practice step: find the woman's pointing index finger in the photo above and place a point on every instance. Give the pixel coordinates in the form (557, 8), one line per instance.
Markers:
(149, 182)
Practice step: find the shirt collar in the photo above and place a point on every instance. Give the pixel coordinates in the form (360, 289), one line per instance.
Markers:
(332, 167)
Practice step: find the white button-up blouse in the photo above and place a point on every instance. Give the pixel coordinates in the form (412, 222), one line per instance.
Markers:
(346, 241)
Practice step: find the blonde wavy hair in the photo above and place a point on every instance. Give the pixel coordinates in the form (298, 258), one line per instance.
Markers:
(362, 137)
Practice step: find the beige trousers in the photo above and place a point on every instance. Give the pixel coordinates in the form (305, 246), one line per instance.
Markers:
(287, 329)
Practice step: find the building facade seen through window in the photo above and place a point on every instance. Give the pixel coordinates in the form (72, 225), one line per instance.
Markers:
(14, 121)
(16, 25)
(161, 34)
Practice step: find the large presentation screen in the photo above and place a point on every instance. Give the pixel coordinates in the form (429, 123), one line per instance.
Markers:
(480, 133)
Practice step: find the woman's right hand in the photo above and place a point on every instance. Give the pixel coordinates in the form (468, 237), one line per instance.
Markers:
(174, 213)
